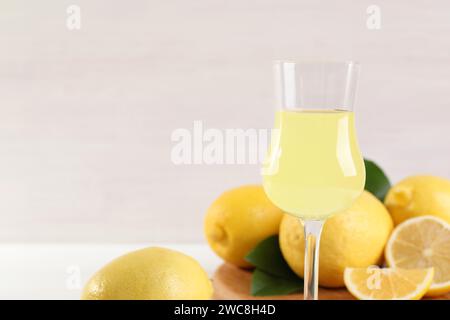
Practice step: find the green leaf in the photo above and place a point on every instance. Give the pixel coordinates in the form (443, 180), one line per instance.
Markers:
(272, 275)
(265, 284)
(267, 256)
(376, 180)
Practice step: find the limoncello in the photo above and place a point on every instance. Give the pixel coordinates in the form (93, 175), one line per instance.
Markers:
(314, 167)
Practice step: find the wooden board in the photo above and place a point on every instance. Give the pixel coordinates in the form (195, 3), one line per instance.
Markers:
(233, 283)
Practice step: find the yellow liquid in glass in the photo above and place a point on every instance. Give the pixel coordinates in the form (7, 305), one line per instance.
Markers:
(314, 167)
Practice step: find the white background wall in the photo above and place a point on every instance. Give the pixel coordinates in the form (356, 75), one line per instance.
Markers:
(86, 116)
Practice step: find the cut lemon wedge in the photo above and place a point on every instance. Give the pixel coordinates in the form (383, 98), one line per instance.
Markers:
(422, 242)
(374, 283)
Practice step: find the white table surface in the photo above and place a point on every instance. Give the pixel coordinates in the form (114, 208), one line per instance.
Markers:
(59, 271)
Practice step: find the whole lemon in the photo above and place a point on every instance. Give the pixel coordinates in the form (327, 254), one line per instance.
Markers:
(417, 196)
(238, 220)
(149, 274)
(353, 238)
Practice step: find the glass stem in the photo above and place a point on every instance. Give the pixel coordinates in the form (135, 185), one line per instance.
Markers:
(312, 228)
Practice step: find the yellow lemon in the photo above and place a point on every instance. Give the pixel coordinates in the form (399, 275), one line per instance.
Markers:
(150, 274)
(238, 220)
(388, 284)
(418, 196)
(353, 238)
(421, 243)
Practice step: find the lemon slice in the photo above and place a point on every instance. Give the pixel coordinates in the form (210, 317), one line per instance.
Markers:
(422, 242)
(374, 283)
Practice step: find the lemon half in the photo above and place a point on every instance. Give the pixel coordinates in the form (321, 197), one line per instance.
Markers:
(421, 243)
(388, 284)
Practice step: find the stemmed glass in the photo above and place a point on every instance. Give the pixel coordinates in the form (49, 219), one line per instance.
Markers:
(314, 167)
